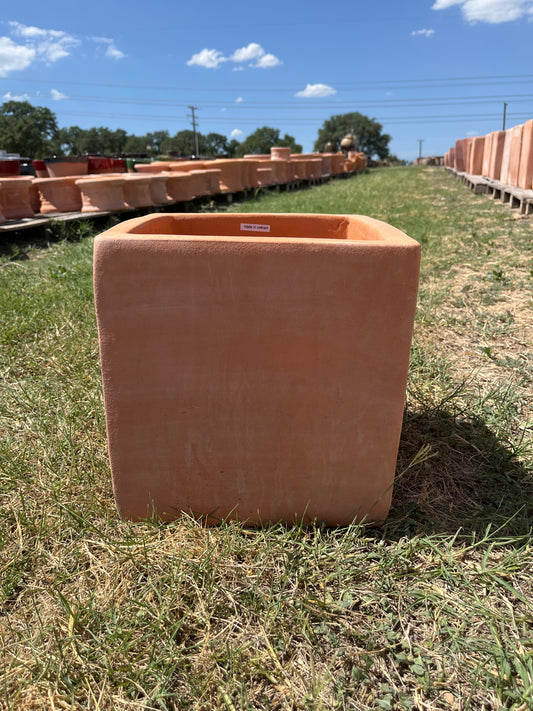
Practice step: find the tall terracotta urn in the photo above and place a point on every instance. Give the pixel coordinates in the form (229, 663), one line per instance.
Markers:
(254, 365)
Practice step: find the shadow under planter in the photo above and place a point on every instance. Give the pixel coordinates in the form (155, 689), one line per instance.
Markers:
(254, 366)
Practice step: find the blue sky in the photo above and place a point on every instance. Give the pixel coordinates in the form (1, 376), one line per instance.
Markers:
(434, 70)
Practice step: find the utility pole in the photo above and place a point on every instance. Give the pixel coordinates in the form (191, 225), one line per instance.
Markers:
(420, 142)
(193, 119)
(504, 114)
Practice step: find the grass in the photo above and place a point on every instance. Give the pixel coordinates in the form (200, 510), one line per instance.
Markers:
(430, 611)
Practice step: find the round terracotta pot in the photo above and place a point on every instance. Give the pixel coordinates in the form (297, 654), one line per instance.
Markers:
(15, 197)
(67, 166)
(101, 193)
(137, 191)
(59, 194)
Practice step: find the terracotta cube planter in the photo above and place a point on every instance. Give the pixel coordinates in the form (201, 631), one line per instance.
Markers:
(59, 194)
(15, 198)
(254, 366)
(102, 193)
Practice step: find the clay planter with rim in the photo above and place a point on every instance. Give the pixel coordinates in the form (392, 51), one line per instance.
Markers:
(137, 191)
(232, 178)
(200, 183)
(337, 163)
(213, 177)
(180, 187)
(264, 176)
(59, 194)
(254, 366)
(158, 190)
(102, 193)
(15, 198)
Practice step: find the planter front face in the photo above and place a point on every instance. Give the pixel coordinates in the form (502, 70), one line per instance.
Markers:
(254, 366)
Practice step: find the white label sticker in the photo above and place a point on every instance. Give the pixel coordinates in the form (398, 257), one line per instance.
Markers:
(254, 228)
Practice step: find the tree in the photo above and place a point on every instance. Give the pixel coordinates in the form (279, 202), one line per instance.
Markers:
(29, 130)
(262, 140)
(216, 144)
(371, 139)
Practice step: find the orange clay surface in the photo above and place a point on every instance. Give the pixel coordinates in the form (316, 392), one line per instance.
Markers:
(254, 366)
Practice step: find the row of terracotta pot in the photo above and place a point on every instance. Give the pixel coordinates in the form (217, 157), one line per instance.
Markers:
(506, 156)
(163, 183)
(23, 197)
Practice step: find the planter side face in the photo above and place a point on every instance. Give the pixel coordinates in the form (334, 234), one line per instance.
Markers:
(255, 377)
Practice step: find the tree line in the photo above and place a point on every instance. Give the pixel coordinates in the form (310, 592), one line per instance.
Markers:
(33, 132)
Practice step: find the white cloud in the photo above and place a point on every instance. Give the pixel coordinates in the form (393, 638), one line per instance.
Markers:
(112, 51)
(253, 54)
(491, 11)
(239, 100)
(208, 58)
(313, 91)
(422, 33)
(8, 96)
(48, 45)
(267, 61)
(57, 95)
(14, 57)
(236, 133)
(247, 54)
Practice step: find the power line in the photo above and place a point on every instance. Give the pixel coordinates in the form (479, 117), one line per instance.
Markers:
(378, 84)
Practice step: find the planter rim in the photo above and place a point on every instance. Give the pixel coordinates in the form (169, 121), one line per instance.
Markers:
(255, 227)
